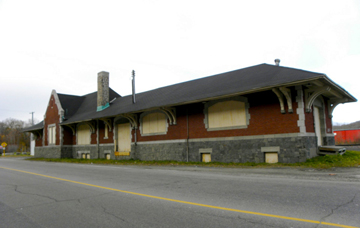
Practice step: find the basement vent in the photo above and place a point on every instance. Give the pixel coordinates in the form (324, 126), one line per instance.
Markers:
(82, 154)
(205, 154)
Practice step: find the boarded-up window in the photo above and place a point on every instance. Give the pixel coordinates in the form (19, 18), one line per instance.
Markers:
(154, 123)
(124, 137)
(227, 114)
(52, 134)
(83, 135)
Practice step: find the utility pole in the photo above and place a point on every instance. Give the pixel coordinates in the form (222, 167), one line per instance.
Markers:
(32, 118)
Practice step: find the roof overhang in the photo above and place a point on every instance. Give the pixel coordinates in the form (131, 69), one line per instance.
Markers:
(36, 129)
(334, 93)
(317, 85)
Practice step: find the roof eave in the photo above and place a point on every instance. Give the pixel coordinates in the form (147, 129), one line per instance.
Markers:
(346, 93)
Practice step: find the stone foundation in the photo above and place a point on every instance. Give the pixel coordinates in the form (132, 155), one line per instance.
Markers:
(48, 152)
(329, 140)
(78, 150)
(106, 149)
(290, 148)
(166, 150)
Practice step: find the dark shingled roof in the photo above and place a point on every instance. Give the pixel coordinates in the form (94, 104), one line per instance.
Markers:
(70, 103)
(35, 127)
(86, 107)
(242, 81)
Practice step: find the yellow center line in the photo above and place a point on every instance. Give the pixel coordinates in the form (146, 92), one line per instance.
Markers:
(187, 202)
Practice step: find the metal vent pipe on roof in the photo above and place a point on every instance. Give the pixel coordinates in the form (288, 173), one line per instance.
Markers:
(277, 62)
(133, 87)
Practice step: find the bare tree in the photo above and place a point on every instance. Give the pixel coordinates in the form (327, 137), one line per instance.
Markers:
(11, 133)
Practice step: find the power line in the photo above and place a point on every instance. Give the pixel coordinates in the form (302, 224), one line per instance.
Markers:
(9, 110)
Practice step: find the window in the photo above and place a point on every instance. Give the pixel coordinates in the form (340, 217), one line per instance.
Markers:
(227, 114)
(83, 134)
(52, 134)
(153, 123)
(106, 132)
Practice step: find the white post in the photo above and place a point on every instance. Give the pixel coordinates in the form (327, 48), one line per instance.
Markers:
(32, 141)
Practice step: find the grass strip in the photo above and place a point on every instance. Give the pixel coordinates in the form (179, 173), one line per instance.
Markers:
(349, 159)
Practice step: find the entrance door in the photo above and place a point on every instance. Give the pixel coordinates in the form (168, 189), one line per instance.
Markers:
(317, 123)
(124, 139)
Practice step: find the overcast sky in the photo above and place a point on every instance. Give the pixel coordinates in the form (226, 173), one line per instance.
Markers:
(62, 45)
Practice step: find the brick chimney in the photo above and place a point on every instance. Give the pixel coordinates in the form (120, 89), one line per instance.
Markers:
(103, 91)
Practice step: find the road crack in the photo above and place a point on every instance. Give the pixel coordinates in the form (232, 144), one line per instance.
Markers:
(256, 223)
(54, 199)
(113, 215)
(336, 208)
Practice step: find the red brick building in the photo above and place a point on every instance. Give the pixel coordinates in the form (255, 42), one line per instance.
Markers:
(263, 113)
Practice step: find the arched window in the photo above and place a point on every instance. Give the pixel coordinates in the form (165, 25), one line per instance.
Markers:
(83, 134)
(227, 114)
(153, 123)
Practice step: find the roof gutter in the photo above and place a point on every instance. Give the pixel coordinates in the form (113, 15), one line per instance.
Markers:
(79, 121)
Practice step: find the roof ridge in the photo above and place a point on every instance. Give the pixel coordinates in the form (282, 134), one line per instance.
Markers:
(70, 95)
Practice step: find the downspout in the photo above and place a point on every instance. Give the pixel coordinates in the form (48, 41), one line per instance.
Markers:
(97, 137)
(133, 87)
(135, 141)
(134, 101)
(187, 135)
(114, 137)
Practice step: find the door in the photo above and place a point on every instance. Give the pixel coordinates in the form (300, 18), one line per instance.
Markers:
(124, 139)
(317, 124)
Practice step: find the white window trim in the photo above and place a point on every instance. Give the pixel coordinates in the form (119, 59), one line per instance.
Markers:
(211, 103)
(49, 136)
(142, 115)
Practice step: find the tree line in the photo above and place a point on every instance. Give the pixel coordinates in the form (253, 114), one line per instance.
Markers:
(11, 133)
(349, 126)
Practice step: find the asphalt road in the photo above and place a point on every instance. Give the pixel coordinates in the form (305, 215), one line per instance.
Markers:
(39, 194)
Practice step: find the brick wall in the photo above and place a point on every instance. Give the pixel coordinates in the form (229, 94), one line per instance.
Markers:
(102, 134)
(309, 119)
(265, 118)
(39, 141)
(52, 116)
(93, 138)
(309, 122)
(68, 137)
(177, 131)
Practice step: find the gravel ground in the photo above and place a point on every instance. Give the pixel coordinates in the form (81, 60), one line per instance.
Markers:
(356, 148)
